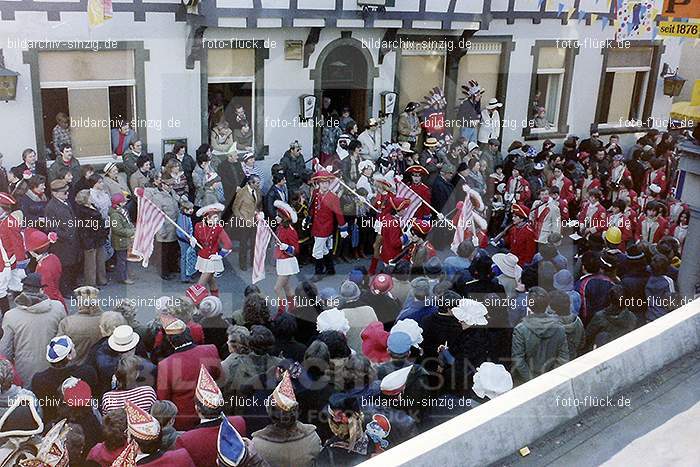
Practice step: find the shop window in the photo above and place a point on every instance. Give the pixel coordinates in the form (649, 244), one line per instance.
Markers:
(421, 70)
(549, 79)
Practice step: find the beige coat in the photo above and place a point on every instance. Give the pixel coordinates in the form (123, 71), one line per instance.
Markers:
(298, 446)
(28, 331)
(84, 331)
(244, 207)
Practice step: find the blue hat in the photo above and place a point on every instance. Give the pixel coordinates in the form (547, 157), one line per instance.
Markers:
(230, 445)
(356, 276)
(58, 348)
(399, 343)
(563, 280)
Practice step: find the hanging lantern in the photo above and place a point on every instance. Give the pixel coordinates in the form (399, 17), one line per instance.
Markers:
(8, 81)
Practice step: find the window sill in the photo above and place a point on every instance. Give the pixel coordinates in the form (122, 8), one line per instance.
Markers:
(94, 160)
(544, 135)
(615, 130)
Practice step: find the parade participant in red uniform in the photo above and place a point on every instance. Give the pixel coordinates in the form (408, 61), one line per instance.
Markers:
(520, 239)
(652, 226)
(517, 189)
(561, 202)
(592, 218)
(200, 441)
(545, 216)
(618, 173)
(145, 431)
(325, 213)
(476, 222)
(589, 183)
(416, 174)
(384, 202)
(627, 193)
(679, 230)
(285, 254)
(48, 264)
(652, 193)
(563, 184)
(657, 176)
(215, 245)
(420, 250)
(393, 238)
(619, 218)
(11, 250)
(178, 373)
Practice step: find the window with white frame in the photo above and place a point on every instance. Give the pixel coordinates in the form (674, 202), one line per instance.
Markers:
(422, 68)
(231, 95)
(95, 90)
(624, 86)
(546, 101)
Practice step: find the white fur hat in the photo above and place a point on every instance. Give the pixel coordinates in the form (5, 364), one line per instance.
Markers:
(332, 320)
(470, 312)
(410, 327)
(492, 380)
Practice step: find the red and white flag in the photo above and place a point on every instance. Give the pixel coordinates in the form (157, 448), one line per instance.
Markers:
(149, 220)
(469, 219)
(263, 234)
(403, 191)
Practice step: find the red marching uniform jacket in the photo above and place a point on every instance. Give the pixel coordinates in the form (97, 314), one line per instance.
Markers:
(289, 236)
(325, 211)
(177, 379)
(12, 241)
(650, 231)
(392, 237)
(175, 458)
(382, 202)
(521, 189)
(598, 219)
(566, 188)
(210, 238)
(563, 209)
(423, 191)
(200, 442)
(658, 177)
(521, 241)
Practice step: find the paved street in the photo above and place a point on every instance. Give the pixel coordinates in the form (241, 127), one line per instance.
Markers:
(659, 428)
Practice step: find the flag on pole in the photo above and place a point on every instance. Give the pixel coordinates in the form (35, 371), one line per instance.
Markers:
(403, 191)
(465, 216)
(149, 220)
(263, 234)
(98, 12)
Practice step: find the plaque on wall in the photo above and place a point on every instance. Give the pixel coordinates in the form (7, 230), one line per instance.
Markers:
(293, 50)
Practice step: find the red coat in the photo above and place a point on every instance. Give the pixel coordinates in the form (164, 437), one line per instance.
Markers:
(564, 209)
(200, 442)
(423, 191)
(382, 202)
(103, 456)
(521, 241)
(658, 177)
(196, 332)
(566, 190)
(176, 458)
(392, 238)
(289, 236)
(177, 379)
(598, 220)
(325, 211)
(647, 231)
(210, 238)
(12, 241)
(523, 191)
(50, 269)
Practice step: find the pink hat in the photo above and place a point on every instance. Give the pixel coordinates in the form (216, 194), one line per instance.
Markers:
(117, 199)
(374, 342)
(381, 284)
(197, 293)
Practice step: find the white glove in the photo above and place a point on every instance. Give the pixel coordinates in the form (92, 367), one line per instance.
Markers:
(283, 246)
(193, 242)
(343, 234)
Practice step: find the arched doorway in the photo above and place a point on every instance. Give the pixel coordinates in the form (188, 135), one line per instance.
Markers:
(344, 81)
(345, 72)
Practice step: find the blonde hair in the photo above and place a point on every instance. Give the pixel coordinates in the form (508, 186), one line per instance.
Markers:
(109, 321)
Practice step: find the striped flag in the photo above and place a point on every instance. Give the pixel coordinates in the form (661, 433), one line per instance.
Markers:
(469, 218)
(262, 239)
(148, 222)
(403, 191)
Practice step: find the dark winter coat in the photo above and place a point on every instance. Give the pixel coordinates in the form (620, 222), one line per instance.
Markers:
(294, 170)
(539, 345)
(609, 324)
(93, 232)
(60, 219)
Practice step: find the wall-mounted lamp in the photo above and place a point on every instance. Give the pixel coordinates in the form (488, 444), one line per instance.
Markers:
(8, 81)
(673, 84)
(388, 101)
(307, 107)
